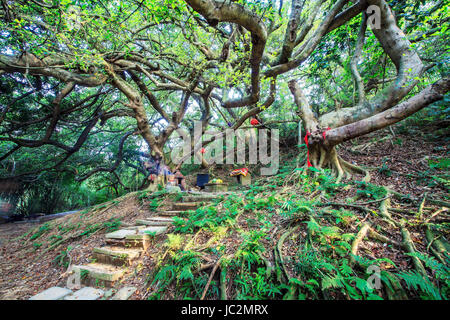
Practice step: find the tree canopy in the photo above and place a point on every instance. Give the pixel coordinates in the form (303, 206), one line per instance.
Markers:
(88, 87)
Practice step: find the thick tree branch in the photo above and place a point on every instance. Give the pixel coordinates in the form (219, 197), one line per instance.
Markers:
(223, 11)
(430, 94)
(409, 68)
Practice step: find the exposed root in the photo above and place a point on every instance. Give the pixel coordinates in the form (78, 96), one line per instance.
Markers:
(401, 196)
(279, 255)
(211, 276)
(384, 211)
(269, 266)
(409, 246)
(355, 169)
(422, 204)
(359, 237)
(322, 158)
(338, 204)
(376, 236)
(435, 245)
(397, 293)
(223, 283)
(435, 214)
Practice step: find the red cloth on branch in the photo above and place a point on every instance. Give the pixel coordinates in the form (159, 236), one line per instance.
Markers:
(307, 149)
(254, 122)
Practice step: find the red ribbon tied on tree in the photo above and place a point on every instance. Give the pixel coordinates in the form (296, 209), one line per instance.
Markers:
(324, 134)
(202, 150)
(254, 122)
(307, 149)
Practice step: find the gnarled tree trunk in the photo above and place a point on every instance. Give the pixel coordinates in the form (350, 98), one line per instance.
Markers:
(322, 142)
(333, 128)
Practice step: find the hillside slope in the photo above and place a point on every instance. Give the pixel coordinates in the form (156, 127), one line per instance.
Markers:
(287, 236)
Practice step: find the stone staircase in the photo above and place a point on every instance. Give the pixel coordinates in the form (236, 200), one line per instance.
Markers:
(113, 261)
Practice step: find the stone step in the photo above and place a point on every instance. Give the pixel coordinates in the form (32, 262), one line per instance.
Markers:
(124, 294)
(116, 256)
(155, 221)
(121, 234)
(153, 230)
(86, 293)
(209, 194)
(144, 238)
(183, 206)
(99, 274)
(172, 213)
(53, 293)
(199, 198)
(133, 241)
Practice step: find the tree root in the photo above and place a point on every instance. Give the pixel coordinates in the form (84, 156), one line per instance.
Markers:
(409, 246)
(372, 201)
(223, 283)
(278, 271)
(339, 204)
(377, 236)
(367, 230)
(279, 254)
(407, 241)
(211, 276)
(435, 245)
(436, 213)
(359, 237)
(352, 168)
(422, 204)
(404, 211)
(322, 158)
(398, 293)
(384, 211)
(269, 267)
(401, 196)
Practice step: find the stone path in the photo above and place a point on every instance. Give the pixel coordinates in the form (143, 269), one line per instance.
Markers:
(123, 247)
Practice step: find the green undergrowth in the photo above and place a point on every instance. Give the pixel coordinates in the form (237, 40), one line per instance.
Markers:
(285, 238)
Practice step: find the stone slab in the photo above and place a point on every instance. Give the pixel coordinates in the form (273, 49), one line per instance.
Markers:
(155, 230)
(118, 252)
(86, 293)
(187, 204)
(155, 221)
(124, 294)
(188, 199)
(160, 219)
(101, 271)
(171, 213)
(120, 234)
(54, 293)
(108, 294)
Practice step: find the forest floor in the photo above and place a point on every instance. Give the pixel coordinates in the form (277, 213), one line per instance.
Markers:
(34, 257)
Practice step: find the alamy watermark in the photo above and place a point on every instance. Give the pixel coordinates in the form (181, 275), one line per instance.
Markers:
(374, 280)
(229, 147)
(374, 16)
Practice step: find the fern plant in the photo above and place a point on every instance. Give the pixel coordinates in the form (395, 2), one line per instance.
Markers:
(369, 190)
(179, 271)
(415, 280)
